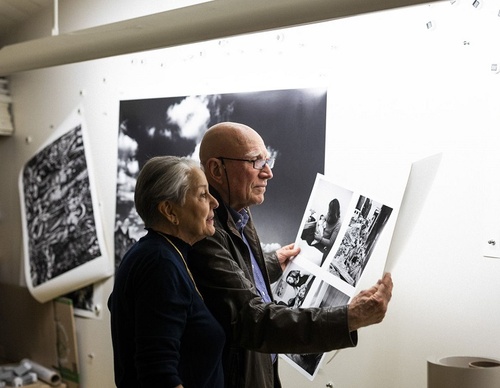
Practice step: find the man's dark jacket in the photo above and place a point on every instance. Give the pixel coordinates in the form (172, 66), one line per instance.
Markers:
(222, 269)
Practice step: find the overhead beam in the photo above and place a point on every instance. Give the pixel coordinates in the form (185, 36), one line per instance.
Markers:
(211, 20)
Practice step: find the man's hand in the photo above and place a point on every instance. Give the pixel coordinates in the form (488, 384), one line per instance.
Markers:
(369, 306)
(287, 253)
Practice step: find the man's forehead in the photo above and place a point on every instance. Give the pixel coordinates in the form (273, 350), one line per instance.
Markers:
(257, 153)
(254, 146)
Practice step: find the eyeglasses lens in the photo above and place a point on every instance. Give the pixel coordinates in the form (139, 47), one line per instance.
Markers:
(259, 164)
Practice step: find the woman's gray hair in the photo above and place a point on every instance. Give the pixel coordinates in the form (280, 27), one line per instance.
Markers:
(162, 178)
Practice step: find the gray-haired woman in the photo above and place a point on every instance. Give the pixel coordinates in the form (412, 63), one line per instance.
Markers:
(163, 334)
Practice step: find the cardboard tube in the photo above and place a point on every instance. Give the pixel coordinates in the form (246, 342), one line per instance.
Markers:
(50, 376)
(463, 372)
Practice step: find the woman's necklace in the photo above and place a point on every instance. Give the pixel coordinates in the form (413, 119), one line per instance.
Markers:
(184, 261)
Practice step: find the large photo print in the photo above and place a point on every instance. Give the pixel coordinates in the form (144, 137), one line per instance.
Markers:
(292, 123)
(62, 233)
(337, 236)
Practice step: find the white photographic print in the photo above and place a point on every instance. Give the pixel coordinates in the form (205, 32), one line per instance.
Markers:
(322, 222)
(62, 233)
(338, 235)
(365, 225)
(293, 287)
(88, 301)
(324, 295)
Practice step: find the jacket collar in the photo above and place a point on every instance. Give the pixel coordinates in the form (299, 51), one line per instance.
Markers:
(225, 214)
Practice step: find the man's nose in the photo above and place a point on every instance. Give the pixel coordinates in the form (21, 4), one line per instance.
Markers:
(267, 172)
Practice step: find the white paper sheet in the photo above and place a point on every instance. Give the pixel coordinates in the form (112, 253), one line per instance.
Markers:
(316, 279)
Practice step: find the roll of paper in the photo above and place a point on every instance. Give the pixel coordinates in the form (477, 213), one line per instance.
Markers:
(463, 372)
(50, 376)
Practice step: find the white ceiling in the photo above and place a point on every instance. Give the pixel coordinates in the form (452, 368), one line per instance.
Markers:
(15, 12)
(207, 20)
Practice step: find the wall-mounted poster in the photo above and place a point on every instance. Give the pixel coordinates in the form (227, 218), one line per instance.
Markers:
(338, 236)
(62, 234)
(292, 123)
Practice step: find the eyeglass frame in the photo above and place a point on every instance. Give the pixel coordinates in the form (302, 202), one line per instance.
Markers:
(267, 162)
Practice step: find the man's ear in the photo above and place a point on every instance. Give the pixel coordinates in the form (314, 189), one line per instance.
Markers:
(166, 209)
(214, 169)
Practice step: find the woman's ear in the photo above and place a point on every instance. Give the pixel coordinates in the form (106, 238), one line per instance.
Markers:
(167, 210)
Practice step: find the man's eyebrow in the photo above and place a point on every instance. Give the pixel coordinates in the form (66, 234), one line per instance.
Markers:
(257, 155)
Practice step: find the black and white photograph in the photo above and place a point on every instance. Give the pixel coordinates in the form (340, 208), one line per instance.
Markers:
(308, 363)
(62, 232)
(324, 295)
(338, 234)
(88, 301)
(292, 123)
(293, 287)
(322, 221)
(366, 224)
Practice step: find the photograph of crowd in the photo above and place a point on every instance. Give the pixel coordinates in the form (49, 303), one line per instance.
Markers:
(58, 210)
(357, 244)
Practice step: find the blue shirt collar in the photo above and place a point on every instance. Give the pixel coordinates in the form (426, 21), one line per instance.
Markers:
(240, 218)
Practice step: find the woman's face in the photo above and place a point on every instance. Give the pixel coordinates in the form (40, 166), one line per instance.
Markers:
(196, 216)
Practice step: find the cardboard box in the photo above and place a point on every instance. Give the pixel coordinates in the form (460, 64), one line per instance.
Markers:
(41, 332)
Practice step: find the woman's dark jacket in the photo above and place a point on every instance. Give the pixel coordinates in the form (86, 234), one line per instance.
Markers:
(163, 334)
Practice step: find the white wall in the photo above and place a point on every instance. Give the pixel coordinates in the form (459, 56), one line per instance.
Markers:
(398, 92)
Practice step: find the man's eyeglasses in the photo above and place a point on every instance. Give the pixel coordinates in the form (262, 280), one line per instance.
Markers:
(258, 164)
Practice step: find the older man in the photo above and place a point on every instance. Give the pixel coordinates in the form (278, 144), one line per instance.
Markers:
(234, 275)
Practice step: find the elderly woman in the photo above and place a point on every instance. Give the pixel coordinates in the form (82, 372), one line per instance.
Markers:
(163, 334)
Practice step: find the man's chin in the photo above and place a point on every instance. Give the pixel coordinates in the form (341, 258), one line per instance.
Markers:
(258, 200)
